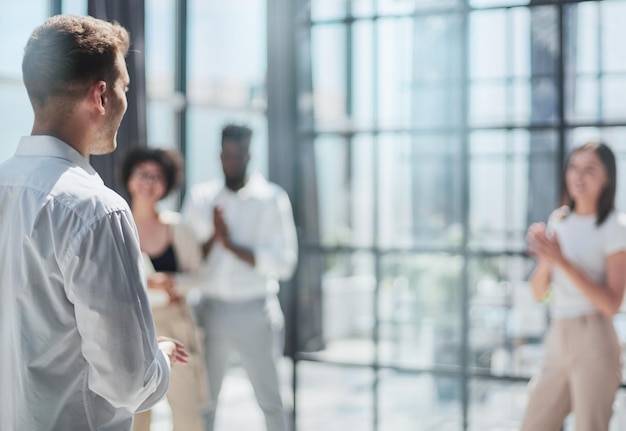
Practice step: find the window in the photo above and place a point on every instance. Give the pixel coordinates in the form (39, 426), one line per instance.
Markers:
(438, 130)
(17, 21)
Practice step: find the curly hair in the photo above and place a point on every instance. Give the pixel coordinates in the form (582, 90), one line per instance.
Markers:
(170, 162)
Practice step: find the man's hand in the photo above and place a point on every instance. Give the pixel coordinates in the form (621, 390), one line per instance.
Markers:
(174, 349)
(219, 224)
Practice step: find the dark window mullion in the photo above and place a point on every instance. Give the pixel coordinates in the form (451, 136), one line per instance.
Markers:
(56, 7)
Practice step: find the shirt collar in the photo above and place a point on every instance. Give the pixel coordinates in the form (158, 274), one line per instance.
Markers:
(49, 146)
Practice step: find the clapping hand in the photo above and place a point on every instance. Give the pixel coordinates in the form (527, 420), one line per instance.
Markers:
(221, 229)
(543, 244)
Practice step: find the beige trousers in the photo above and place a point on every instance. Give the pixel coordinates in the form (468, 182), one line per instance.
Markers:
(188, 393)
(581, 373)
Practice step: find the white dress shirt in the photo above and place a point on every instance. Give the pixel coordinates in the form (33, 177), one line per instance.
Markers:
(77, 340)
(259, 217)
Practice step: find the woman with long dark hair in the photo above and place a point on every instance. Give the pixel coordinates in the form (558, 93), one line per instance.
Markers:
(581, 266)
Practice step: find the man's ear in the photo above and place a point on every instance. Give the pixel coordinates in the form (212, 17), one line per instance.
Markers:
(97, 97)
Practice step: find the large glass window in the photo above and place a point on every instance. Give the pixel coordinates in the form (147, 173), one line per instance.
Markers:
(439, 130)
(165, 101)
(226, 67)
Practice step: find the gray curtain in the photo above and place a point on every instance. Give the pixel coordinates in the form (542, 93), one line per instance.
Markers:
(291, 164)
(132, 132)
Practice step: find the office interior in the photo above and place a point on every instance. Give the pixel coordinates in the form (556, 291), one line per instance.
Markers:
(417, 139)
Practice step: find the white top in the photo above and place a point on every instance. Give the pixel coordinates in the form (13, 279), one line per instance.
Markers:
(79, 349)
(586, 246)
(258, 217)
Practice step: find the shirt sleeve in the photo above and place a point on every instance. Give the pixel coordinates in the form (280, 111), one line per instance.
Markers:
(615, 235)
(105, 281)
(278, 259)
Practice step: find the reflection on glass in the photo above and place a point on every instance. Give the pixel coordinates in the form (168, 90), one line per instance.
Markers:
(488, 44)
(419, 72)
(519, 22)
(419, 302)
(499, 175)
(345, 190)
(401, 6)
(520, 108)
(160, 55)
(512, 67)
(328, 46)
(225, 81)
(347, 301)
(436, 72)
(394, 72)
(489, 103)
(583, 61)
(613, 101)
(544, 37)
(424, 402)
(334, 398)
(584, 105)
(327, 9)
(227, 54)
(362, 195)
(362, 75)
(612, 16)
(419, 190)
(597, 68)
(493, 3)
(161, 125)
(332, 174)
(507, 324)
(583, 21)
(362, 7)
(513, 101)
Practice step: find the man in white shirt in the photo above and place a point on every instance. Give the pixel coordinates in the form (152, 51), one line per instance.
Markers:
(249, 239)
(80, 351)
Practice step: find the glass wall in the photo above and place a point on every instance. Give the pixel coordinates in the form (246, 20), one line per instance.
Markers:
(201, 74)
(438, 131)
(205, 66)
(17, 21)
(432, 132)
(225, 80)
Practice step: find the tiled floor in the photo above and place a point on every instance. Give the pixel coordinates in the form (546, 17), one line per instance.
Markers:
(337, 399)
(237, 408)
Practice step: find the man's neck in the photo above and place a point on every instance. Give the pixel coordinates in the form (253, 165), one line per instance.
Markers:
(74, 138)
(236, 184)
